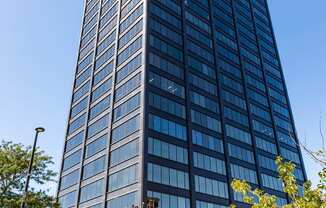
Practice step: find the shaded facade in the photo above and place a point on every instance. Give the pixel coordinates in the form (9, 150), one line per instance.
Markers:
(173, 99)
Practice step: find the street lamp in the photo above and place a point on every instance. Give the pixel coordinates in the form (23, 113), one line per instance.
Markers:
(37, 131)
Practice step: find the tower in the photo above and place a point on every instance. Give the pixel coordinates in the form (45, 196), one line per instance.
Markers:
(173, 99)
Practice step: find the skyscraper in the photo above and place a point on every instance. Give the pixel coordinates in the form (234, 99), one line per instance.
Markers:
(173, 99)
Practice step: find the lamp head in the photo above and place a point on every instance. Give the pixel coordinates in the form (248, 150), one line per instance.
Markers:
(39, 129)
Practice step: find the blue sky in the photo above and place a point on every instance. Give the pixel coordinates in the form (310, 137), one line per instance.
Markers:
(39, 40)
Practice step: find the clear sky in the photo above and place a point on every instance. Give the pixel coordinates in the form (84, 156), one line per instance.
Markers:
(39, 39)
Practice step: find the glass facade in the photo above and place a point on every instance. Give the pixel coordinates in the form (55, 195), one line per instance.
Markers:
(174, 99)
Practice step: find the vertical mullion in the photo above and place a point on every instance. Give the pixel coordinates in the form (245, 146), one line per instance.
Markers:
(243, 72)
(144, 105)
(108, 150)
(221, 103)
(266, 85)
(89, 102)
(188, 109)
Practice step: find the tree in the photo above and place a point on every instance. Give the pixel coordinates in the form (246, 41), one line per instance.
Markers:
(312, 197)
(14, 160)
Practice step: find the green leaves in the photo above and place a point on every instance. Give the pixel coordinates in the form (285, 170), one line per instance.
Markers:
(249, 195)
(14, 160)
(311, 198)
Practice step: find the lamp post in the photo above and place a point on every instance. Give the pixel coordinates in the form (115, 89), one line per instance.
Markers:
(37, 131)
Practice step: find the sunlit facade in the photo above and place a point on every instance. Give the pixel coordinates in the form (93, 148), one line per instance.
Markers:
(173, 99)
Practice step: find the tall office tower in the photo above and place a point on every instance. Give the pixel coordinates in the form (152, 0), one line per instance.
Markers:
(173, 99)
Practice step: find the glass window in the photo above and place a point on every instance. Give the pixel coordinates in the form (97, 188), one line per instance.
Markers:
(236, 116)
(166, 85)
(229, 68)
(165, 65)
(75, 141)
(203, 84)
(165, 48)
(260, 112)
(96, 146)
(125, 39)
(131, 18)
(204, 102)
(76, 124)
(267, 163)
(263, 129)
(92, 190)
(166, 200)
(123, 178)
(127, 107)
(98, 126)
(68, 200)
(106, 5)
(165, 31)
(125, 152)
(130, 50)
(108, 15)
(165, 16)
(279, 122)
(243, 173)
(233, 99)
(261, 99)
(209, 163)
(167, 127)
(205, 121)
(232, 84)
(238, 134)
(128, 7)
(286, 139)
(211, 187)
(202, 204)
(107, 28)
(168, 151)
(289, 155)
(199, 23)
(81, 91)
(102, 89)
(201, 67)
(207, 141)
(97, 206)
(82, 105)
(95, 167)
(241, 153)
(72, 160)
(200, 51)
(199, 36)
(132, 66)
(69, 180)
(128, 87)
(125, 129)
(172, 5)
(85, 62)
(125, 201)
(108, 54)
(105, 43)
(100, 107)
(167, 105)
(266, 145)
(167, 176)
(272, 182)
(103, 73)
(89, 25)
(85, 75)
